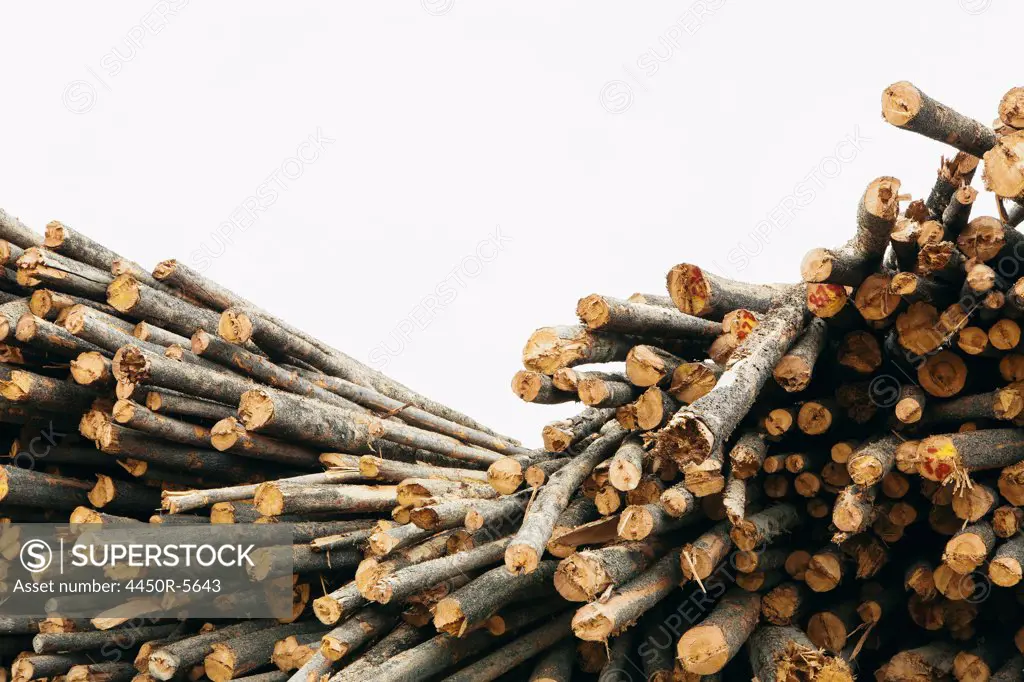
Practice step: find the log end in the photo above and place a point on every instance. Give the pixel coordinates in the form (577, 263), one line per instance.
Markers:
(235, 326)
(685, 439)
(103, 492)
(220, 663)
(590, 625)
(255, 409)
(551, 348)
(817, 265)
(55, 234)
(123, 293)
(268, 500)
(901, 103)
(690, 289)
(826, 300)
(521, 559)
(449, 618)
(636, 523)
(89, 368)
(225, 433)
(505, 475)
(594, 311)
(644, 367)
(703, 650)
(1005, 571)
(327, 609)
(555, 438)
(165, 269)
(527, 385)
(1004, 166)
(579, 578)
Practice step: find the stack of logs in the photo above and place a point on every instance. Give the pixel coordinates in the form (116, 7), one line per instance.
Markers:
(786, 482)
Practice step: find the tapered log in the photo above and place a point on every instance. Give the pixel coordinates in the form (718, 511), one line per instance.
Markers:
(300, 419)
(970, 547)
(1007, 566)
(470, 606)
(38, 266)
(783, 653)
(275, 499)
(363, 627)
(706, 649)
(117, 440)
(136, 365)
(46, 666)
(402, 638)
(905, 106)
(627, 465)
(166, 661)
(170, 402)
(73, 244)
(585, 576)
(16, 232)
(244, 653)
(747, 455)
(598, 621)
(953, 174)
(1003, 172)
(527, 546)
(122, 496)
(870, 462)
(693, 432)
(443, 652)
(596, 392)
(34, 489)
(848, 264)
(407, 581)
(697, 292)
(954, 456)
(796, 368)
(559, 436)
(45, 393)
(765, 526)
(178, 502)
(611, 314)
(699, 558)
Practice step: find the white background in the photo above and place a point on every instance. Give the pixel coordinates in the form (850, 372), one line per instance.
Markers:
(605, 141)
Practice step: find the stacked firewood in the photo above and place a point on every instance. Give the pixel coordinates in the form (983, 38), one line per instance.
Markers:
(782, 481)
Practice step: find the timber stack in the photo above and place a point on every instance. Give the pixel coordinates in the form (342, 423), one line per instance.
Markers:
(788, 482)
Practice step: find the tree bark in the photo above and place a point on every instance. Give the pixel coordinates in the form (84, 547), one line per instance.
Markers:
(850, 263)
(692, 433)
(526, 548)
(905, 106)
(699, 293)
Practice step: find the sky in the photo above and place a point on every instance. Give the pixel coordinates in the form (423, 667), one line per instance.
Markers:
(422, 183)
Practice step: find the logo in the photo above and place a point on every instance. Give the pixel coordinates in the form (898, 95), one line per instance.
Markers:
(36, 556)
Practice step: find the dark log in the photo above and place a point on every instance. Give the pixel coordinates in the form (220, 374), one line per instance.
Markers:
(847, 265)
(168, 660)
(241, 654)
(534, 387)
(905, 106)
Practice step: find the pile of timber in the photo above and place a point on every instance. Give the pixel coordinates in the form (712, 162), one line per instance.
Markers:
(787, 482)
